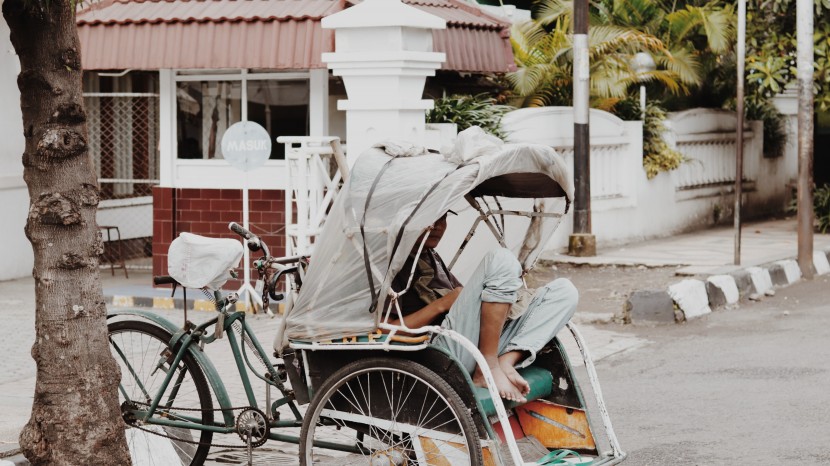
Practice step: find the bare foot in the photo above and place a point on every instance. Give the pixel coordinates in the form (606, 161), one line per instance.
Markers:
(507, 389)
(513, 376)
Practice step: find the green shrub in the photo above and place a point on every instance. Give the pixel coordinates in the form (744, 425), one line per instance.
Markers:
(775, 132)
(657, 155)
(821, 207)
(470, 110)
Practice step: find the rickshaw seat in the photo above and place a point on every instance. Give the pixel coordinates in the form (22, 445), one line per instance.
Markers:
(376, 337)
(541, 385)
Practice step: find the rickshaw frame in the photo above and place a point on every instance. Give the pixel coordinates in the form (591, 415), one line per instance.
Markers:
(398, 339)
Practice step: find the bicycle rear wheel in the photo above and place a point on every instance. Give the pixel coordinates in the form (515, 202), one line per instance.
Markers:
(144, 356)
(390, 411)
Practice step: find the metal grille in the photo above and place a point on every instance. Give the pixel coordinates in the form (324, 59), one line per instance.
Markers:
(123, 140)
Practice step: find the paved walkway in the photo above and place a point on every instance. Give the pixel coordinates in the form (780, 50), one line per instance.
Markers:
(706, 252)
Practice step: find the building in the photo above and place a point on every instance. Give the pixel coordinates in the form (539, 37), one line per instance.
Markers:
(166, 78)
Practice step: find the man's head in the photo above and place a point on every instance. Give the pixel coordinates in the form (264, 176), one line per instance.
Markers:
(437, 232)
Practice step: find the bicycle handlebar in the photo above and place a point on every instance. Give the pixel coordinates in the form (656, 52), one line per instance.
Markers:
(239, 230)
(165, 280)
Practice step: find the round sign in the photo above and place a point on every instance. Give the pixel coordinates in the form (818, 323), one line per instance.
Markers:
(246, 145)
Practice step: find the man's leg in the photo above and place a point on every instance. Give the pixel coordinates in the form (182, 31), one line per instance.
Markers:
(552, 307)
(480, 311)
(493, 316)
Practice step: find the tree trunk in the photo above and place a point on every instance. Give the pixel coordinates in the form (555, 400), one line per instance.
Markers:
(76, 417)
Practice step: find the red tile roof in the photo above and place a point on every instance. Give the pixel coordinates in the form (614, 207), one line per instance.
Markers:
(262, 34)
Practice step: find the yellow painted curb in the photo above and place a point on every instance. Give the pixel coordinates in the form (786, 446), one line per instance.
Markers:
(203, 305)
(122, 301)
(163, 303)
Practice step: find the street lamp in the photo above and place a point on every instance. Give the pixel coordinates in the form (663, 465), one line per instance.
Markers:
(643, 63)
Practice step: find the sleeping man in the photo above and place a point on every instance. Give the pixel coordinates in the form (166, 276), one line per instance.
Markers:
(479, 311)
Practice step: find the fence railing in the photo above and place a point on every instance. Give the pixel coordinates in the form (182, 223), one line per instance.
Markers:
(123, 140)
(616, 145)
(627, 205)
(707, 138)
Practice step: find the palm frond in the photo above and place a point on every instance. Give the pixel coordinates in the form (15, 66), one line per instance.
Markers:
(549, 11)
(606, 39)
(682, 63)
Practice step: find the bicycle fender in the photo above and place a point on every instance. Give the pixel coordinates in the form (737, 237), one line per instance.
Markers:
(207, 366)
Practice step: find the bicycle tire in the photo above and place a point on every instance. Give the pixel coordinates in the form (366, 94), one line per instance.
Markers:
(192, 397)
(387, 433)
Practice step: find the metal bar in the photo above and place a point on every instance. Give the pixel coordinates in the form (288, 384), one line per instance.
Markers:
(804, 35)
(132, 371)
(120, 94)
(594, 380)
(240, 365)
(317, 443)
(127, 180)
(581, 96)
(522, 213)
(238, 77)
(739, 141)
(189, 425)
(185, 343)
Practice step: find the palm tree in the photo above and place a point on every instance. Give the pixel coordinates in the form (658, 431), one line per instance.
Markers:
(619, 29)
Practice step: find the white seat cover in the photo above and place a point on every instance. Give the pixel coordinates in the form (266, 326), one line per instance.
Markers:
(201, 262)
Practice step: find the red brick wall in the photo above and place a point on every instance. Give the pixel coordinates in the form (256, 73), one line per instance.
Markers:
(207, 212)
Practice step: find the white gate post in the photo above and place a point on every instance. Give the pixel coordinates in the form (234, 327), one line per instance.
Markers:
(384, 54)
(313, 184)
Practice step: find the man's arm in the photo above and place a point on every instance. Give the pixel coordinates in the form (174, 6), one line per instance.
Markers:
(428, 313)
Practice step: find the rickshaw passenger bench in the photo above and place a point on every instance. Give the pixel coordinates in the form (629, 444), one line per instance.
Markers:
(539, 379)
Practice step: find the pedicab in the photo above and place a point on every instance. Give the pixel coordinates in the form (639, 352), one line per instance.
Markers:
(361, 386)
(370, 378)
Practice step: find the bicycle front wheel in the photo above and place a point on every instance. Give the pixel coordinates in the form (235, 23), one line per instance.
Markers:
(388, 411)
(144, 356)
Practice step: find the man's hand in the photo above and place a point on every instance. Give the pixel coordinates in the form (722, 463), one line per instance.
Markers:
(445, 302)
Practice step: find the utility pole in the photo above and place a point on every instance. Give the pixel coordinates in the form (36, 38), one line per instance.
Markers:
(804, 37)
(739, 143)
(581, 242)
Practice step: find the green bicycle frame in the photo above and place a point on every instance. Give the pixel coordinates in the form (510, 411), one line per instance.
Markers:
(188, 342)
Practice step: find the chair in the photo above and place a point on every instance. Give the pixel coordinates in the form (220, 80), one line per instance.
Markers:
(113, 256)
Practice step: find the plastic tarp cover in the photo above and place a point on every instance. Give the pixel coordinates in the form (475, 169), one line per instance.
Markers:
(408, 196)
(201, 262)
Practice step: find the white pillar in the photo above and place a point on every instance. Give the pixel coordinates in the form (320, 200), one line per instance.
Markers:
(167, 128)
(384, 54)
(318, 102)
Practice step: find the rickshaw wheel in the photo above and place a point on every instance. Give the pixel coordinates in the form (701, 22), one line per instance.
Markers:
(390, 412)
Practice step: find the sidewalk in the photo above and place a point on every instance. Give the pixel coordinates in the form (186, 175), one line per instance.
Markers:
(706, 252)
(647, 271)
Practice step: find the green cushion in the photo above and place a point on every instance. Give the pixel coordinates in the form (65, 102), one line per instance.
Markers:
(540, 381)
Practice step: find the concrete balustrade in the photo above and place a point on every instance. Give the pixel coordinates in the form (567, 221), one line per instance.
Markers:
(626, 206)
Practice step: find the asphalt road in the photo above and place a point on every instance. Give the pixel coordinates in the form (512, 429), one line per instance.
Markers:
(743, 386)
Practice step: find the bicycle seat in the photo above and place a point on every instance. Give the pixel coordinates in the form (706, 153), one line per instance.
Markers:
(201, 262)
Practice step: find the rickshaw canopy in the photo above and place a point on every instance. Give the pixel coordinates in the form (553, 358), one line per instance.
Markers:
(395, 191)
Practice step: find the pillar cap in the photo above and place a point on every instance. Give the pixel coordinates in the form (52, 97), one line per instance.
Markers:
(383, 13)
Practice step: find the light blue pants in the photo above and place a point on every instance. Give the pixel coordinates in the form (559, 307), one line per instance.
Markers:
(497, 279)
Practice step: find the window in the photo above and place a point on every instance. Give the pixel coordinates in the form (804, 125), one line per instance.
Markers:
(281, 107)
(204, 110)
(206, 106)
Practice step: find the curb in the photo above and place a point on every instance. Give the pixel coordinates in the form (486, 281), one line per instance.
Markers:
(692, 298)
(10, 455)
(168, 303)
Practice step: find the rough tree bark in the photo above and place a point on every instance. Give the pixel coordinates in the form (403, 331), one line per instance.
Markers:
(76, 417)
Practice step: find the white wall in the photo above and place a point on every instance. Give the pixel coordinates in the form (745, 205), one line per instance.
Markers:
(16, 259)
(626, 206)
